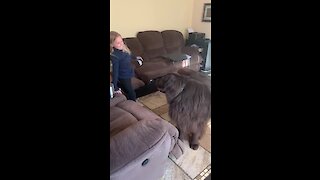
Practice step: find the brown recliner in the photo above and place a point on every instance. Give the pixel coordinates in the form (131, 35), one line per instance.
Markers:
(140, 141)
(152, 46)
(153, 66)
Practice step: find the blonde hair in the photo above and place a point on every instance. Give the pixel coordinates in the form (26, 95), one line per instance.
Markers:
(113, 36)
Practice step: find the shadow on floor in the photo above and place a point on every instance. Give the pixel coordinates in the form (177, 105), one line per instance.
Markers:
(146, 89)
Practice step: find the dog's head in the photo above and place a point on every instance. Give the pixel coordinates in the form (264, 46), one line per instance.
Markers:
(168, 82)
(171, 84)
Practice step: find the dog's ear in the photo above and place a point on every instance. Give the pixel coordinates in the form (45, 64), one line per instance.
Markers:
(173, 83)
(160, 82)
(163, 81)
(169, 80)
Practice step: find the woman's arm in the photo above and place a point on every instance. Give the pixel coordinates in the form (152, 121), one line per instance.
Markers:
(115, 72)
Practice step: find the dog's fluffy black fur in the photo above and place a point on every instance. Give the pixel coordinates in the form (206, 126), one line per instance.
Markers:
(189, 98)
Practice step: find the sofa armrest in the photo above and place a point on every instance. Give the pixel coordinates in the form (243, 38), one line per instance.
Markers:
(139, 112)
(135, 63)
(177, 146)
(136, 141)
(117, 99)
(190, 50)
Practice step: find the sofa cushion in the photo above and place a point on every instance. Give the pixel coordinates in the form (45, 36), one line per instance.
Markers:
(117, 98)
(152, 70)
(173, 41)
(120, 120)
(152, 44)
(139, 112)
(136, 83)
(127, 113)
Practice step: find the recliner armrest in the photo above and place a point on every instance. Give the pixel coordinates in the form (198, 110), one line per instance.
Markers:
(117, 99)
(138, 140)
(190, 50)
(135, 63)
(129, 144)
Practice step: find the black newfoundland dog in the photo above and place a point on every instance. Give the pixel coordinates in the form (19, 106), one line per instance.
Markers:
(189, 97)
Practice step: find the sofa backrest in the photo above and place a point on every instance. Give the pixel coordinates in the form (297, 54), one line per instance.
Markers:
(152, 43)
(134, 45)
(173, 41)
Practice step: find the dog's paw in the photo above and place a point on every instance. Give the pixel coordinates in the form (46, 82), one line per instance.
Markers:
(194, 146)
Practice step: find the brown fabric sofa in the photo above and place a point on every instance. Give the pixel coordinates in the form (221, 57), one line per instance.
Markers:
(140, 141)
(137, 83)
(153, 45)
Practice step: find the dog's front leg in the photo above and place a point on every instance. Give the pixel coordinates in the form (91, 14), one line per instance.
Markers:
(194, 140)
(182, 134)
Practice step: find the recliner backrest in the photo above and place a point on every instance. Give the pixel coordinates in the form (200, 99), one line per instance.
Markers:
(152, 43)
(173, 41)
(134, 45)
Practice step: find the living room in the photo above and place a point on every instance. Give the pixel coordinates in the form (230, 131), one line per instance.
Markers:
(130, 17)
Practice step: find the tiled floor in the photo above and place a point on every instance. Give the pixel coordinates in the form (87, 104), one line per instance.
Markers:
(192, 164)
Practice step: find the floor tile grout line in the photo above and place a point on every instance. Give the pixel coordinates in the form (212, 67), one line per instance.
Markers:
(206, 149)
(203, 170)
(187, 173)
(181, 169)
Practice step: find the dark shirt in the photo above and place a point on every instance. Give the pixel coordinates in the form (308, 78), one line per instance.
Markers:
(121, 66)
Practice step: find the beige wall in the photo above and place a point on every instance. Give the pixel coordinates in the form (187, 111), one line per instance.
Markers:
(197, 24)
(131, 16)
